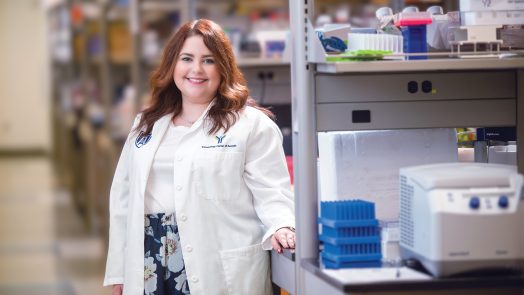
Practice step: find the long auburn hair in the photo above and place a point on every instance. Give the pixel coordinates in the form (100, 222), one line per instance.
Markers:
(232, 93)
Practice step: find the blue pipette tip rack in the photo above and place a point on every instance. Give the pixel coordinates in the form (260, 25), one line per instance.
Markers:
(350, 234)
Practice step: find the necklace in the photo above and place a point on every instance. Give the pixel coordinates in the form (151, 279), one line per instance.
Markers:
(186, 122)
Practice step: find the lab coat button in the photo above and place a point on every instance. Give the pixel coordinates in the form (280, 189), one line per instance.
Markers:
(189, 248)
(178, 187)
(194, 279)
(179, 158)
(183, 217)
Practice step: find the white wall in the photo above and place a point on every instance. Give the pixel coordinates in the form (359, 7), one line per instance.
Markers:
(25, 108)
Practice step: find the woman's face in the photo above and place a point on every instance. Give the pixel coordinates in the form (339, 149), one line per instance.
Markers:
(196, 74)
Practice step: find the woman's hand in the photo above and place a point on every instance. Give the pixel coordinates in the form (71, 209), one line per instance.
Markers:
(117, 289)
(283, 238)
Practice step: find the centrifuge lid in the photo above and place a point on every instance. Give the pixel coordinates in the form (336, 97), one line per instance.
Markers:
(461, 175)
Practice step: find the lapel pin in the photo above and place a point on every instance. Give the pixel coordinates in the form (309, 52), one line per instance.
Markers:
(142, 139)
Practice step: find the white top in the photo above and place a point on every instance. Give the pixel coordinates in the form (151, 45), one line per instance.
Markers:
(159, 195)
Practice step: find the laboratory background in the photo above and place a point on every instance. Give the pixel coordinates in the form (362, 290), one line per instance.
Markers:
(399, 119)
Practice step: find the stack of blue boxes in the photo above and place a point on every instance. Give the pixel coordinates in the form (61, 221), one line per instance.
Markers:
(350, 233)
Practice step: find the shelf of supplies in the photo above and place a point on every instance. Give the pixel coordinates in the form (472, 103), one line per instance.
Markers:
(121, 12)
(161, 5)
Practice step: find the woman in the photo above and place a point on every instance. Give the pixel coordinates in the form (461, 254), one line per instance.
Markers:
(209, 173)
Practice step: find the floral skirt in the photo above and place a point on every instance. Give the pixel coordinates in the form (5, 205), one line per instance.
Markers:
(164, 271)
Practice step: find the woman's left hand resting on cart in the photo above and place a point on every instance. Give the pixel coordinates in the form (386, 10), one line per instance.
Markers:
(283, 238)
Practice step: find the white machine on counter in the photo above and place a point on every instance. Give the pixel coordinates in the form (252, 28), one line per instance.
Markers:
(459, 217)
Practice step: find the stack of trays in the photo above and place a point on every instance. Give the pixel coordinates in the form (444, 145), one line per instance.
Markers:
(350, 234)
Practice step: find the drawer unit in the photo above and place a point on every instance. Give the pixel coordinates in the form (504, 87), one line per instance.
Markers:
(418, 114)
(415, 86)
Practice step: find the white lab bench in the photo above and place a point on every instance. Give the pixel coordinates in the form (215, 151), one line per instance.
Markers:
(443, 92)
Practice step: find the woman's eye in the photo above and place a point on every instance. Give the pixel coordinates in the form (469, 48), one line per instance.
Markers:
(185, 58)
(209, 61)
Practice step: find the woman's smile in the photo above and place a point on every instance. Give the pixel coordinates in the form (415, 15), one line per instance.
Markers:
(196, 81)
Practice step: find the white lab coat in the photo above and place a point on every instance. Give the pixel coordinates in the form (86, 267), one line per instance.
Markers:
(231, 195)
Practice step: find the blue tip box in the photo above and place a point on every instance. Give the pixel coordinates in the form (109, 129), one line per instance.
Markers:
(350, 233)
(415, 40)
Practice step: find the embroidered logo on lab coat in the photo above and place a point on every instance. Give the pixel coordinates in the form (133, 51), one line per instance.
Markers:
(142, 139)
(220, 138)
(219, 143)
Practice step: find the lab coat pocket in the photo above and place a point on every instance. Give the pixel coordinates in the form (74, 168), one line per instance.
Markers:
(246, 270)
(219, 175)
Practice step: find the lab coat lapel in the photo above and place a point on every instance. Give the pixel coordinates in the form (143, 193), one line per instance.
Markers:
(147, 151)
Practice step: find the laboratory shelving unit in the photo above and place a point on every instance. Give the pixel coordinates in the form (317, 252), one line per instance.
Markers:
(77, 142)
(330, 96)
